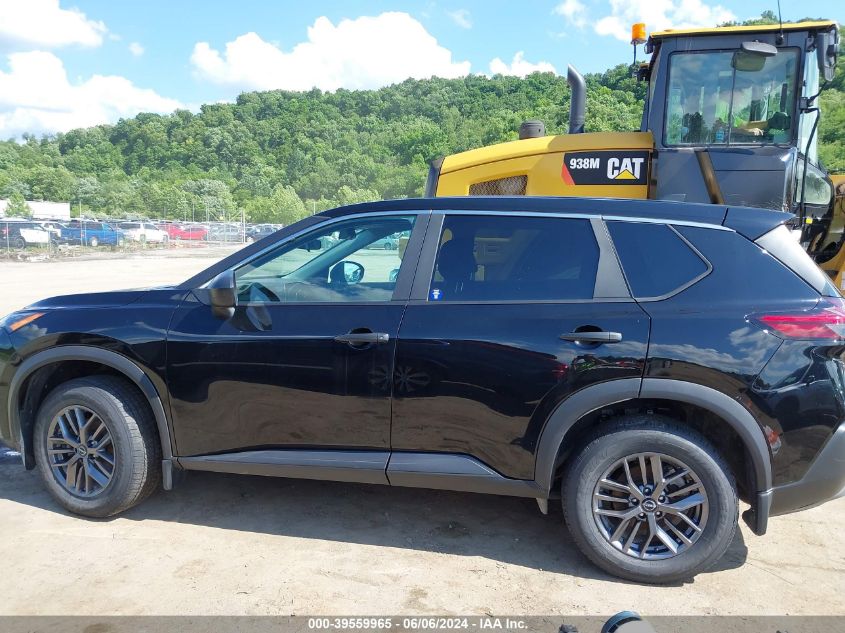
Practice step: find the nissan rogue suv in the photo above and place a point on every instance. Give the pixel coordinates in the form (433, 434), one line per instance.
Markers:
(648, 364)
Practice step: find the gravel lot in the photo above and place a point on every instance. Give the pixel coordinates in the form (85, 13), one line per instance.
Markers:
(222, 544)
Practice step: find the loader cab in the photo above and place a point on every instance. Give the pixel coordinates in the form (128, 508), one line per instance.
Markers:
(734, 117)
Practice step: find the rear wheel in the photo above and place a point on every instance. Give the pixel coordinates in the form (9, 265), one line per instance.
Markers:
(19, 243)
(93, 241)
(96, 446)
(650, 500)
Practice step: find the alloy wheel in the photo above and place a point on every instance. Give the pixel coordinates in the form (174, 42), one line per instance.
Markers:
(80, 451)
(650, 506)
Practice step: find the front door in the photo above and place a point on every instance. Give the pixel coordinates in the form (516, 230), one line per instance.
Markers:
(305, 361)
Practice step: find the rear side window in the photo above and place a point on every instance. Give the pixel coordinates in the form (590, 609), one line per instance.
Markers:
(781, 244)
(656, 260)
(499, 258)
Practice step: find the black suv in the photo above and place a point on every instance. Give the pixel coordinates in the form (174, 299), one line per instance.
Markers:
(649, 363)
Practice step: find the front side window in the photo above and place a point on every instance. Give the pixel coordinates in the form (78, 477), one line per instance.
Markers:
(347, 261)
(517, 258)
(731, 98)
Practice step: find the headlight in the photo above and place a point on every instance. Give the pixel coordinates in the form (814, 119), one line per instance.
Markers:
(15, 321)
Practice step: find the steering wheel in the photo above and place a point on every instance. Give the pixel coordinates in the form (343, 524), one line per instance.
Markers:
(259, 293)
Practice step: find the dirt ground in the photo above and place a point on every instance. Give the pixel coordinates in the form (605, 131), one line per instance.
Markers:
(221, 544)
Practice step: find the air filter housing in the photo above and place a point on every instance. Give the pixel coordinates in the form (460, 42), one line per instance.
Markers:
(532, 129)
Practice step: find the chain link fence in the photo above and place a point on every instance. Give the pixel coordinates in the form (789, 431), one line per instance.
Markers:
(23, 239)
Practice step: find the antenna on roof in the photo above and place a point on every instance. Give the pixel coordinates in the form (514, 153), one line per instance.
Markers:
(780, 35)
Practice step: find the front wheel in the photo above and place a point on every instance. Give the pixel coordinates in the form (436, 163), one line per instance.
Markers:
(96, 446)
(93, 241)
(650, 500)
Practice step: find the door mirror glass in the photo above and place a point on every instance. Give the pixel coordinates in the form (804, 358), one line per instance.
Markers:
(352, 272)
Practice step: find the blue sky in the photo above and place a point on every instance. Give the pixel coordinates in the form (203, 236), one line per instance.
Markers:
(66, 63)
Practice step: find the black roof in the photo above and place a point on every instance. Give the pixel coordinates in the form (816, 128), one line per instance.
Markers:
(749, 221)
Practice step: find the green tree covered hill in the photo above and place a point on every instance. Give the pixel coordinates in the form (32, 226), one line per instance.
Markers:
(279, 155)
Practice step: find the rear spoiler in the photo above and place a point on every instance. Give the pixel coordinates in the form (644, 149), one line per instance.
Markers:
(753, 222)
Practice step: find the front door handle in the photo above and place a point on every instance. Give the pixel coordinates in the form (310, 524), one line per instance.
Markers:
(363, 338)
(592, 337)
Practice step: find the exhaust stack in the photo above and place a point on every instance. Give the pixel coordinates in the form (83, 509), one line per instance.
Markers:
(577, 101)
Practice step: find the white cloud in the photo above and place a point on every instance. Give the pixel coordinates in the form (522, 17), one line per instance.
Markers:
(659, 15)
(573, 11)
(461, 17)
(519, 66)
(136, 49)
(367, 52)
(44, 24)
(36, 97)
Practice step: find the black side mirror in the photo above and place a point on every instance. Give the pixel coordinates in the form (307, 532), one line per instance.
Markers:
(827, 49)
(223, 294)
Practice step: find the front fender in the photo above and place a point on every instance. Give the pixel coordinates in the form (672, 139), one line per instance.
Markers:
(118, 362)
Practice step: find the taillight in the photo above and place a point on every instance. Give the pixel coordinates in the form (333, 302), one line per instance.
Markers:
(825, 321)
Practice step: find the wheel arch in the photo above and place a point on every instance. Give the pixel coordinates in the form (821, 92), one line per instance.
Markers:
(118, 363)
(596, 397)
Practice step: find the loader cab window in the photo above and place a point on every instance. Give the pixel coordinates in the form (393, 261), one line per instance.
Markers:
(719, 98)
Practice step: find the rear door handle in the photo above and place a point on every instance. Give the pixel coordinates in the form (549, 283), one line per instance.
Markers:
(592, 337)
(362, 338)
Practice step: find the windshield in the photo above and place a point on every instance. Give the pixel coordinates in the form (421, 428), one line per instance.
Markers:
(723, 98)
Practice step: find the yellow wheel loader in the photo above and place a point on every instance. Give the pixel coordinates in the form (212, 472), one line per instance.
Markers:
(731, 118)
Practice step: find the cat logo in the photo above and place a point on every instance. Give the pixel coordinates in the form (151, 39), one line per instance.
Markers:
(624, 168)
(605, 167)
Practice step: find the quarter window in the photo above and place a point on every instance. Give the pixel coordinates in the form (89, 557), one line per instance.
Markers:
(355, 260)
(655, 259)
(496, 258)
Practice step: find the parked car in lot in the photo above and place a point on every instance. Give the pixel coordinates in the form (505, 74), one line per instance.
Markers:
(144, 232)
(55, 230)
(255, 233)
(226, 233)
(22, 233)
(534, 347)
(191, 232)
(93, 233)
(387, 243)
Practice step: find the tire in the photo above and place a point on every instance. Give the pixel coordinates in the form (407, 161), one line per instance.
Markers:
(19, 243)
(94, 242)
(135, 447)
(676, 447)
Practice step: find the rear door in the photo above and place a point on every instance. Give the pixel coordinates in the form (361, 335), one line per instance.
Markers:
(497, 333)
